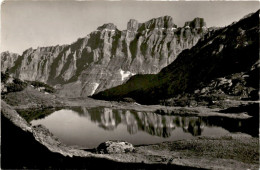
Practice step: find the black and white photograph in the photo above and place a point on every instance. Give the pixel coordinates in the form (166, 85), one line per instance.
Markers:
(129, 84)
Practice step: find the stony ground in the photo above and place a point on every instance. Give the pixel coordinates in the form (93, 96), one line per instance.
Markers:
(228, 152)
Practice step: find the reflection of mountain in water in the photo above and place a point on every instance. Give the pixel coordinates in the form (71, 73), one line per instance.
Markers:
(163, 125)
(151, 123)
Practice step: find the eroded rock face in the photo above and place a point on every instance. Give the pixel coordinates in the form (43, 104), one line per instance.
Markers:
(107, 57)
(111, 147)
(196, 23)
(8, 60)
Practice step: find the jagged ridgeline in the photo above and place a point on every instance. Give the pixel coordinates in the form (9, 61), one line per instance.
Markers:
(107, 57)
(229, 54)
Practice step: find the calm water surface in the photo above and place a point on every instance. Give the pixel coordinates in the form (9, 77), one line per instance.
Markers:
(90, 127)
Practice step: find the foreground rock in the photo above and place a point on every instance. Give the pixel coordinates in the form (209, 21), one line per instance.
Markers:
(110, 147)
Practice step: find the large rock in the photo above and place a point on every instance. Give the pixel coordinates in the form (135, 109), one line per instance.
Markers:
(111, 147)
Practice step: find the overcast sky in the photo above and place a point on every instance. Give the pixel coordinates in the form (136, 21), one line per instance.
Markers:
(32, 24)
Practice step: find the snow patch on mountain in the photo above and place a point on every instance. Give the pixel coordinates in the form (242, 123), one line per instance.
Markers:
(95, 86)
(125, 74)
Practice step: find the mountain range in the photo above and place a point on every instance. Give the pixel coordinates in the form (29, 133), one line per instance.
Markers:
(224, 62)
(107, 57)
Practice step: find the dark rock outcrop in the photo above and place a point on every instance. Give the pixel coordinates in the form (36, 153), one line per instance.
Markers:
(225, 60)
(106, 57)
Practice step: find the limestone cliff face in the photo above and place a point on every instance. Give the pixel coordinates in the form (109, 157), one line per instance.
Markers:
(35, 64)
(107, 57)
(7, 60)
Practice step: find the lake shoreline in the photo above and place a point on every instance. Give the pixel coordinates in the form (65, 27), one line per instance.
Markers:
(161, 153)
(30, 98)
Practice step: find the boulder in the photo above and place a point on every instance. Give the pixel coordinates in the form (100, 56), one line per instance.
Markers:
(110, 147)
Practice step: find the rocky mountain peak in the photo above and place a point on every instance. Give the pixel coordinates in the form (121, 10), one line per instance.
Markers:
(196, 23)
(161, 22)
(8, 60)
(108, 26)
(5, 53)
(132, 25)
